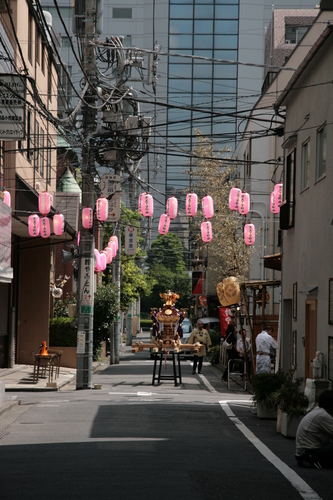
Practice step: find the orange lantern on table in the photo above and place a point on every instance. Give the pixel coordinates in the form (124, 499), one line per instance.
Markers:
(43, 351)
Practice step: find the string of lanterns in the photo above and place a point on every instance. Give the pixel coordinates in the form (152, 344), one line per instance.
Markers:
(241, 201)
(238, 200)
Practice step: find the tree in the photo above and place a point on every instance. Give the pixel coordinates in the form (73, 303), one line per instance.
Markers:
(106, 307)
(169, 251)
(133, 281)
(215, 175)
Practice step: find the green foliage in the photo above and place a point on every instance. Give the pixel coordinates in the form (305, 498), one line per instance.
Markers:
(62, 333)
(145, 323)
(215, 337)
(288, 397)
(106, 307)
(60, 310)
(168, 251)
(264, 384)
(214, 357)
(133, 283)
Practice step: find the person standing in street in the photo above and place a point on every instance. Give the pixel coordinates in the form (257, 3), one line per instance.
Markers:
(231, 338)
(314, 436)
(266, 348)
(200, 335)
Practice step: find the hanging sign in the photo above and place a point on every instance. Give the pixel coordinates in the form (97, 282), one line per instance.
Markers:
(114, 210)
(110, 183)
(12, 107)
(86, 286)
(81, 342)
(130, 240)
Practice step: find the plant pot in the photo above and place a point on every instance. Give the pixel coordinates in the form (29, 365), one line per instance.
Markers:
(289, 424)
(264, 412)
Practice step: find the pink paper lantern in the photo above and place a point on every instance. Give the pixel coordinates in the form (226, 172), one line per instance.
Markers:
(44, 202)
(234, 198)
(113, 247)
(45, 229)
(206, 231)
(102, 208)
(102, 257)
(244, 204)
(115, 239)
(275, 209)
(249, 234)
(191, 204)
(208, 207)
(172, 207)
(7, 198)
(147, 205)
(164, 224)
(34, 226)
(78, 238)
(108, 251)
(278, 191)
(58, 224)
(97, 268)
(140, 202)
(87, 217)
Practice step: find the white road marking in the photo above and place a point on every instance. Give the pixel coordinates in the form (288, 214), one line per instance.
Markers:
(297, 482)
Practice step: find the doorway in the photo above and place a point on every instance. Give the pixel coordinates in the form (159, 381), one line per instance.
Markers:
(310, 335)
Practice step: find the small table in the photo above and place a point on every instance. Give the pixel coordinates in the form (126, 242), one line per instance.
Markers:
(41, 364)
(177, 377)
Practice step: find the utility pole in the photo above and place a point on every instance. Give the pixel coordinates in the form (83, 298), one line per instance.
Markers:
(87, 244)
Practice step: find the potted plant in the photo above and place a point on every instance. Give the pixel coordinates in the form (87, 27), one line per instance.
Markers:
(291, 403)
(263, 385)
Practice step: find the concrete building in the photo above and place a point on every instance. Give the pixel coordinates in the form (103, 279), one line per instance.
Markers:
(28, 166)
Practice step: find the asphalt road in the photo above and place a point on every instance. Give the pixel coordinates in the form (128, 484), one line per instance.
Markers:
(132, 440)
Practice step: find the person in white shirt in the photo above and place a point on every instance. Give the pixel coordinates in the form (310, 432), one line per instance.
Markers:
(265, 347)
(314, 437)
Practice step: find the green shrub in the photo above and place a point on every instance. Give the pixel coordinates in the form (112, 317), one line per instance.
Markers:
(62, 333)
(215, 337)
(264, 384)
(214, 355)
(145, 323)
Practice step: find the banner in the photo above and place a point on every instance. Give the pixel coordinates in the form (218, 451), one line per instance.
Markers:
(225, 320)
(197, 282)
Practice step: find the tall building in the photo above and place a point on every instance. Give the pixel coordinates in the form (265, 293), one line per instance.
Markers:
(210, 72)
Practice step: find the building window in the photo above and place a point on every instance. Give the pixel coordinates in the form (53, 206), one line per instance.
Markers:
(305, 165)
(42, 156)
(37, 51)
(48, 165)
(36, 155)
(121, 13)
(294, 34)
(128, 41)
(321, 152)
(2, 162)
(287, 212)
(29, 135)
(30, 24)
(43, 59)
(49, 79)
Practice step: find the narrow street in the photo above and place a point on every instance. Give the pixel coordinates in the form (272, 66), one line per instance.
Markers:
(130, 439)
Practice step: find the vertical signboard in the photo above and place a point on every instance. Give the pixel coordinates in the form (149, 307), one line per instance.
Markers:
(81, 342)
(130, 240)
(12, 107)
(87, 286)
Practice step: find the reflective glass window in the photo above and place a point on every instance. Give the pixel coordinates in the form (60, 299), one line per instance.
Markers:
(226, 27)
(180, 41)
(226, 12)
(204, 12)
(180, 70)
(181, 26)
(181, 1)
(181, 11)
(233, 2)
(225, 41)
(176, 84)
(225, 71)
(203, 26)
(230, 55)
(203, 41)
(202, 86)
(225, 86)
(202, 70)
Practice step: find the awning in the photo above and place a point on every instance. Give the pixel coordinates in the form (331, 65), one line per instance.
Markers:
(273, 262)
